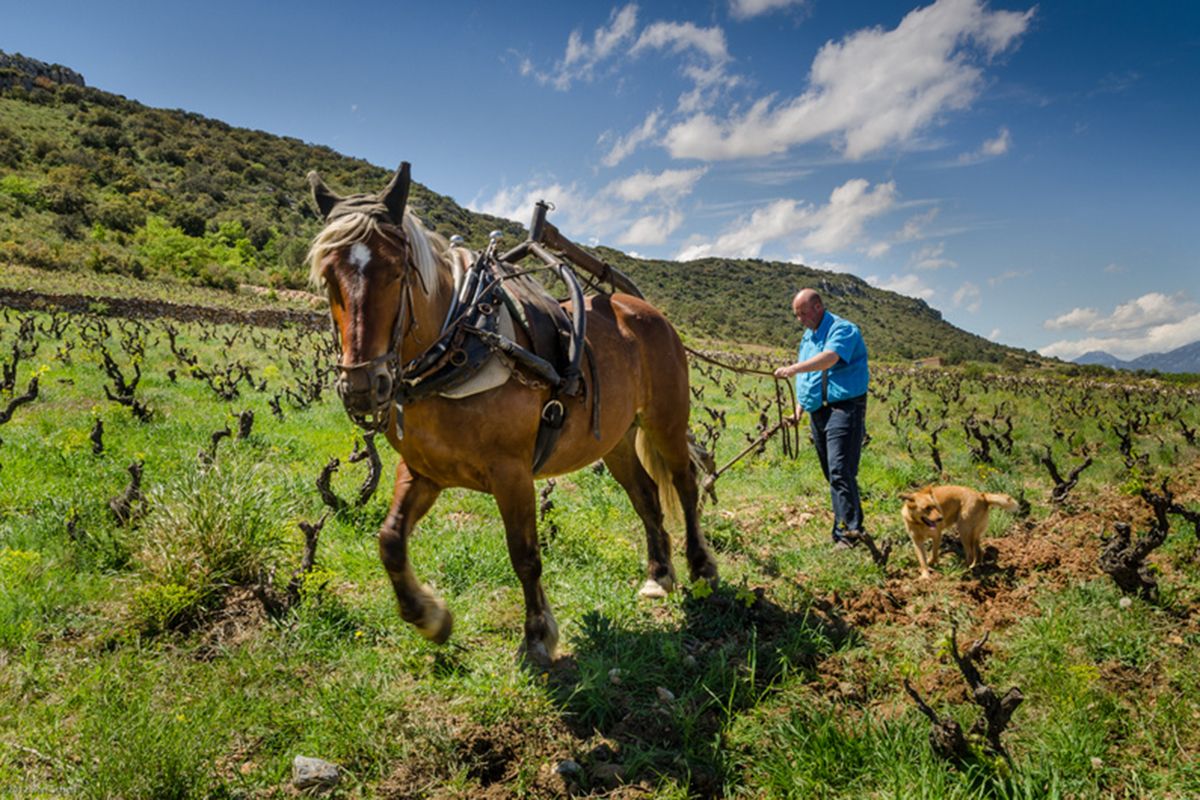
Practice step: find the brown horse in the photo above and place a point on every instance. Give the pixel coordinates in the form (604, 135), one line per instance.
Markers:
(390, 284)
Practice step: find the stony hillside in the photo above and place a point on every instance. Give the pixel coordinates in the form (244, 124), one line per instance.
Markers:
(94, 183)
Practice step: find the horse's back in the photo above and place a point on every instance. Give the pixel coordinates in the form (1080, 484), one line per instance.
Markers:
(646, 349)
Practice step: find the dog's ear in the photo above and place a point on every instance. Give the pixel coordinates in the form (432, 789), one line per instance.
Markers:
(906, 496)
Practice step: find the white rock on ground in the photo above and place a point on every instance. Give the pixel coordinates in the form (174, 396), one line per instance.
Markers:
(308, 772)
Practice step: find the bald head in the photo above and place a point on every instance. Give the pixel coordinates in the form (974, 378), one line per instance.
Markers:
(808, 308)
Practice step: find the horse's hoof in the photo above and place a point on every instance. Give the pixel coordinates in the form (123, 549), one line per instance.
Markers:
(439, 628)
(656, 590)
(706, 570)
(535, 655)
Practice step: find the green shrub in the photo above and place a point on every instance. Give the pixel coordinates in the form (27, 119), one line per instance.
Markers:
(214, 528)
(21, 189)
(159, 607)
(120, 214)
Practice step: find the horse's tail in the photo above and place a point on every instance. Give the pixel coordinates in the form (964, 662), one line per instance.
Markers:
(654, 463)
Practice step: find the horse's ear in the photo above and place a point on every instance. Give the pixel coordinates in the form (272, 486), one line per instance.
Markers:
(323, 196)
(395, 194)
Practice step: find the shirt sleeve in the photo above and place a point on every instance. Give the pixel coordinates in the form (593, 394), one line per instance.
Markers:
(842, 340)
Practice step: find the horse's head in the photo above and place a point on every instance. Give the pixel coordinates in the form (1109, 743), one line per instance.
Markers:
(363, 258)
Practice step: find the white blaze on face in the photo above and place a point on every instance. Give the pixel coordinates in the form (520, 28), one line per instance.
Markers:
(360, 256)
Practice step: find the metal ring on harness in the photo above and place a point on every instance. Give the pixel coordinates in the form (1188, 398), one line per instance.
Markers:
(458, 357)
(486, 309)
(553, 413)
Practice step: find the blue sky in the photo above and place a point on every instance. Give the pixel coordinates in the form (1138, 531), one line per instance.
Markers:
(1028, 169)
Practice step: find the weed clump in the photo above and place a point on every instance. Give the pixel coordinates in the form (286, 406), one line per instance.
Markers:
(218, 527)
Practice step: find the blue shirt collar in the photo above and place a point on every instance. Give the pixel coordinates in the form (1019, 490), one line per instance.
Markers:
(822, 329)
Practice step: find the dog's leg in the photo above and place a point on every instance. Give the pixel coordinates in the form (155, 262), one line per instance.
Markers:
(919, 546)
(972, 543)
(937, 547)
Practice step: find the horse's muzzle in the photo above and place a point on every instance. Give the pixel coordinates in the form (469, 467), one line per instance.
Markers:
(366, 389)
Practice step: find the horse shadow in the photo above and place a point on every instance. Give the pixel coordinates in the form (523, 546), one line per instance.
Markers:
(653, 701)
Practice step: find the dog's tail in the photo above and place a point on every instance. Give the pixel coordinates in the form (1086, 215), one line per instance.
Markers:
(1001, 501)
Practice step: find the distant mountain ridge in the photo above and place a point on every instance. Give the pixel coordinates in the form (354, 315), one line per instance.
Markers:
(94, 182)
(1181, 359)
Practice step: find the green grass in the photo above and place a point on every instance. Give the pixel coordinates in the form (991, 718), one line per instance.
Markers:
(136, 663)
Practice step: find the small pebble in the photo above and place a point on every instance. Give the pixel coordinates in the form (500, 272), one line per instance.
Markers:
(614, 676)
(665, 695)
(1125, 602)
(1097, 763)
(568, 768)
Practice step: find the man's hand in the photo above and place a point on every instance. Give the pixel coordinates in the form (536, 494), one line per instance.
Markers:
(785, 372)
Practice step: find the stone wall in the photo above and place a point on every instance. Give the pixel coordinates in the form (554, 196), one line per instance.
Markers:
(139, 308)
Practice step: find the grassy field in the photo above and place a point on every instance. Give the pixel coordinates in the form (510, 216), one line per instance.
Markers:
(137, 659)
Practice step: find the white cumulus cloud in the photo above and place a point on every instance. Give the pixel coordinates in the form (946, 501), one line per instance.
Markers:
(837, 225)
(931, 257)
(702, 50)
(873, 89)
(968, 296)
(998, 146)
(581, 57)
(580, 212)
(746, 9)
(651, 230)
(1153, 322)
(910, 284)
(991, 148)
(1075, 318)
(671, 184)
(625, 145)
(677, 37)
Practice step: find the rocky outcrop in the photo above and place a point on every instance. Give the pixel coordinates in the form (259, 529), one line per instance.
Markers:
(19, 70)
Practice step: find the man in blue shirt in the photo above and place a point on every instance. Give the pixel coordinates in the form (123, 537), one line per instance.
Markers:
(831, 385)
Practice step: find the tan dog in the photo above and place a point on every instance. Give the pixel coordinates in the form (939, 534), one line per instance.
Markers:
(929, 511)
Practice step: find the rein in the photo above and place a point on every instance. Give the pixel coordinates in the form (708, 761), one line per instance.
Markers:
(785, 411)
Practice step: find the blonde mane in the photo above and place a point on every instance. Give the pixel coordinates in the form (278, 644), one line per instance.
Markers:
(430, 250)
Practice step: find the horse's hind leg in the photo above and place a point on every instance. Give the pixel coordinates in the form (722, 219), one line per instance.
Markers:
(670, 460)
(514, 493)
(623, 463)
(701, 564)
(414, 496)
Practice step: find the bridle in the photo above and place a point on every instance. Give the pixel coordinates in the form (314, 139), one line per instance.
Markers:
(391, 359)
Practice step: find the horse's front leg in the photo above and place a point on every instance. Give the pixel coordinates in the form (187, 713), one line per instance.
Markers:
(414, 496)
(514, 493)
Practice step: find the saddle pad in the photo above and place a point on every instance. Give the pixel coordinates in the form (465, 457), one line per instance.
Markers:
(494, 371)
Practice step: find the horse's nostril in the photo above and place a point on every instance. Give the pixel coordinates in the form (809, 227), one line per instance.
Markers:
(383, 386)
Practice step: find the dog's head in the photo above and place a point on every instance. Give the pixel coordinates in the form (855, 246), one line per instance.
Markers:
(922, 508)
